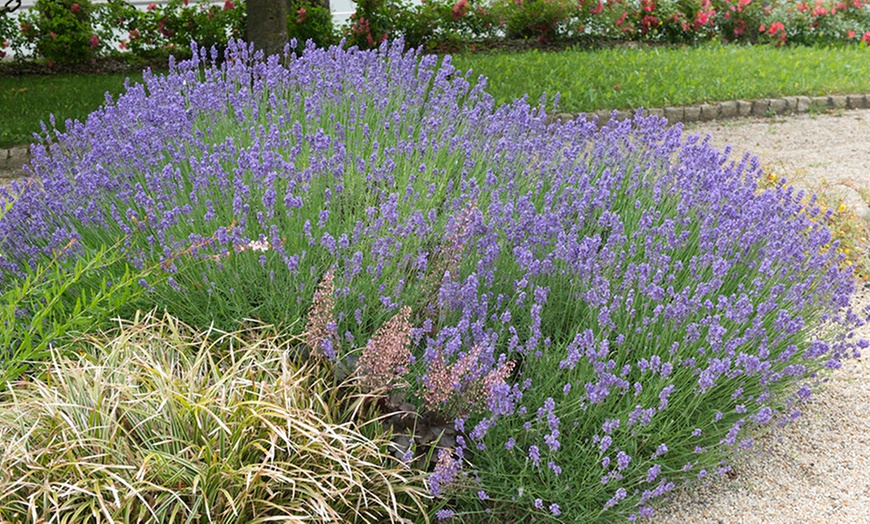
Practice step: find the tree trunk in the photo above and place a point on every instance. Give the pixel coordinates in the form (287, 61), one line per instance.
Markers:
(267, 25)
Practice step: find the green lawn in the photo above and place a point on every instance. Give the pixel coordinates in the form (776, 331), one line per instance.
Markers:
(25, 101)
(625, 78)
(619, 78)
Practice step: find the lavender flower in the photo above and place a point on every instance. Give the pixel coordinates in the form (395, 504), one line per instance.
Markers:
(535, 455)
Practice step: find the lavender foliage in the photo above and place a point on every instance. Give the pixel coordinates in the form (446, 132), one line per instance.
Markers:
(625, 304)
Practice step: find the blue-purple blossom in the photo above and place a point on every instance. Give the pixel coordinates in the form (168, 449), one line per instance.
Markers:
(444, 514)
(535, 455)
(653, 472)
(617, 496)
(622, 460)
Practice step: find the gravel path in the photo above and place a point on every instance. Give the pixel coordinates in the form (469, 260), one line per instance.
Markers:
(816, 470)
(827, 152)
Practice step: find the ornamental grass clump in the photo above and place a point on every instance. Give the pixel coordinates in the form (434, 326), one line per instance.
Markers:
(596, 315)
(155, 422)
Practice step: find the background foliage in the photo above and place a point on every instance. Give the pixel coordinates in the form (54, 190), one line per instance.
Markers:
(69, 31)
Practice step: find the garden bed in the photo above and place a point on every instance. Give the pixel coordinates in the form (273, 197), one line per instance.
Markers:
(614, 310)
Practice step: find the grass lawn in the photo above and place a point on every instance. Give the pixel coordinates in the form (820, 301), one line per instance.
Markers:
(619, 78)
(624, 78)
(25, 101)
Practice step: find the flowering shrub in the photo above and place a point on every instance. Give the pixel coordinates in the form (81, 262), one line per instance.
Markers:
(541, 19)
(443, 24)
(174, 25)
(738, 20)
(815, 23)
(8, 30)
(609, 311)
(670, 21)
(61, 31)
(445, 21)
(308, 20)
(372, 22)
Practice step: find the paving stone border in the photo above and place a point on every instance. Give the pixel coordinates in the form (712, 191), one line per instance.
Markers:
(733, 109)
(12, 159)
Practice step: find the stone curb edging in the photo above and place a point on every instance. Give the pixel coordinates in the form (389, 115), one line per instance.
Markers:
(12, 159)
(732, 109)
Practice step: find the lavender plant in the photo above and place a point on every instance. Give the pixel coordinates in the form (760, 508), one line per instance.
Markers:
(54, 300)
(599, 314)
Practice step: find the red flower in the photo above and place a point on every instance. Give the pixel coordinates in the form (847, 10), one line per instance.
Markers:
(597, 9)
(851, 34)
(460, 9)
(95, 41)
(301, 18)
(75, 8)
(52, 34)
(122, 45)
(133, 35)
(739, 27)
(621, 19)
(647, 22)
(775, 27)
(761, 28)
(151, 7)
(229, 5)
(866, 38)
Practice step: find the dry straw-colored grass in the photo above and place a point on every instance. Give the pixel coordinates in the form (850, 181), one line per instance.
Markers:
(154, 422)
